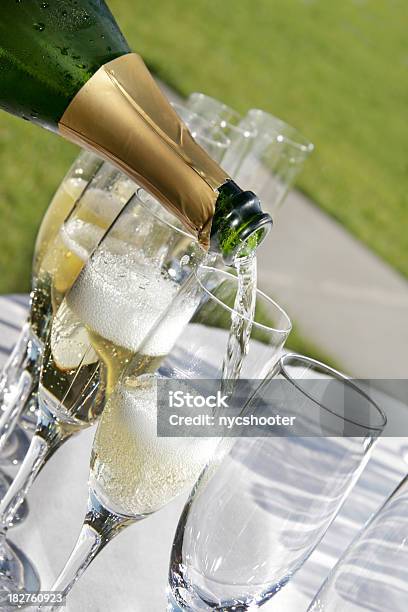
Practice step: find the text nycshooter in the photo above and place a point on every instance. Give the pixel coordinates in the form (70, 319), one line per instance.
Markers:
(254, 420)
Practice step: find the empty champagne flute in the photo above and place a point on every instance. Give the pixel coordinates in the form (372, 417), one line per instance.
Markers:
(125, 279)
(372, 573)
(271, 160)
(265, 151)
(133, 471)
(229, 121)
(208, 134)
(220, 114)
(251, 523)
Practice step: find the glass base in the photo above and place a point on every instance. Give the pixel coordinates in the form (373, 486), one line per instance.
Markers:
(16, 574)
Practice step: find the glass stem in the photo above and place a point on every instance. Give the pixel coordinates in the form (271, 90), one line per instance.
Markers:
(26, 379)
(48, 437)
(16, 493)
(99, 528)
(14, 406)
(10, 372)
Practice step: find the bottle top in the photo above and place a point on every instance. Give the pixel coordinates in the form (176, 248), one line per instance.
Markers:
(239, 224)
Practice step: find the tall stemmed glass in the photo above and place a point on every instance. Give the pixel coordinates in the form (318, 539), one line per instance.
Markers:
(372, 573)
(124, 280)
(133, 471)
(61, 252)
(250, 524)
(20, 374)
(271, 161)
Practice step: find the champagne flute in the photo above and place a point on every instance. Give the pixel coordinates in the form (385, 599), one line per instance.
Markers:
(19, 377)
(133, 471)
(271, 161)
(217, 112)
(265, 151)
(61, 251)
(229, 122)
(250, 524)
(372, 573)
(124, 276)
(15, 386)
(204, 131)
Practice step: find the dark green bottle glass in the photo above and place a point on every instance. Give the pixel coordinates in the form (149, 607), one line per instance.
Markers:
(48, 50)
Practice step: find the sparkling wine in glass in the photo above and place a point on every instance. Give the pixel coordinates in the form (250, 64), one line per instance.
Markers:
(135, 472)
(126, 277)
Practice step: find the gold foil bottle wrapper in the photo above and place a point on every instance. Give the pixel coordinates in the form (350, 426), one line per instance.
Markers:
(122, 114)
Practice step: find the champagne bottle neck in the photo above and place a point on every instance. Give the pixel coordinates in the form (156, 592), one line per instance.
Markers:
(138, 130)
(239, 225)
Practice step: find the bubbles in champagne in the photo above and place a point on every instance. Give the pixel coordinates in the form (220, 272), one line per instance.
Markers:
(65, 258)
(58, 210)
(79, 237)
(136, 471)
(100, 207)
(120, 295)
(70, 344)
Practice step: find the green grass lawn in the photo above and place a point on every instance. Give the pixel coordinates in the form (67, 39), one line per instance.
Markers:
(336, 70)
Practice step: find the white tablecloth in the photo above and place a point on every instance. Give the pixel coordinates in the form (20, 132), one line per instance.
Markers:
(130, 574)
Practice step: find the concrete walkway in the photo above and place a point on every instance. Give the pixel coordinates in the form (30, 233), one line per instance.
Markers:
(342, 297)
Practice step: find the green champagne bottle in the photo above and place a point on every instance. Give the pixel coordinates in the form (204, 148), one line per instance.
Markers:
(65, 65)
